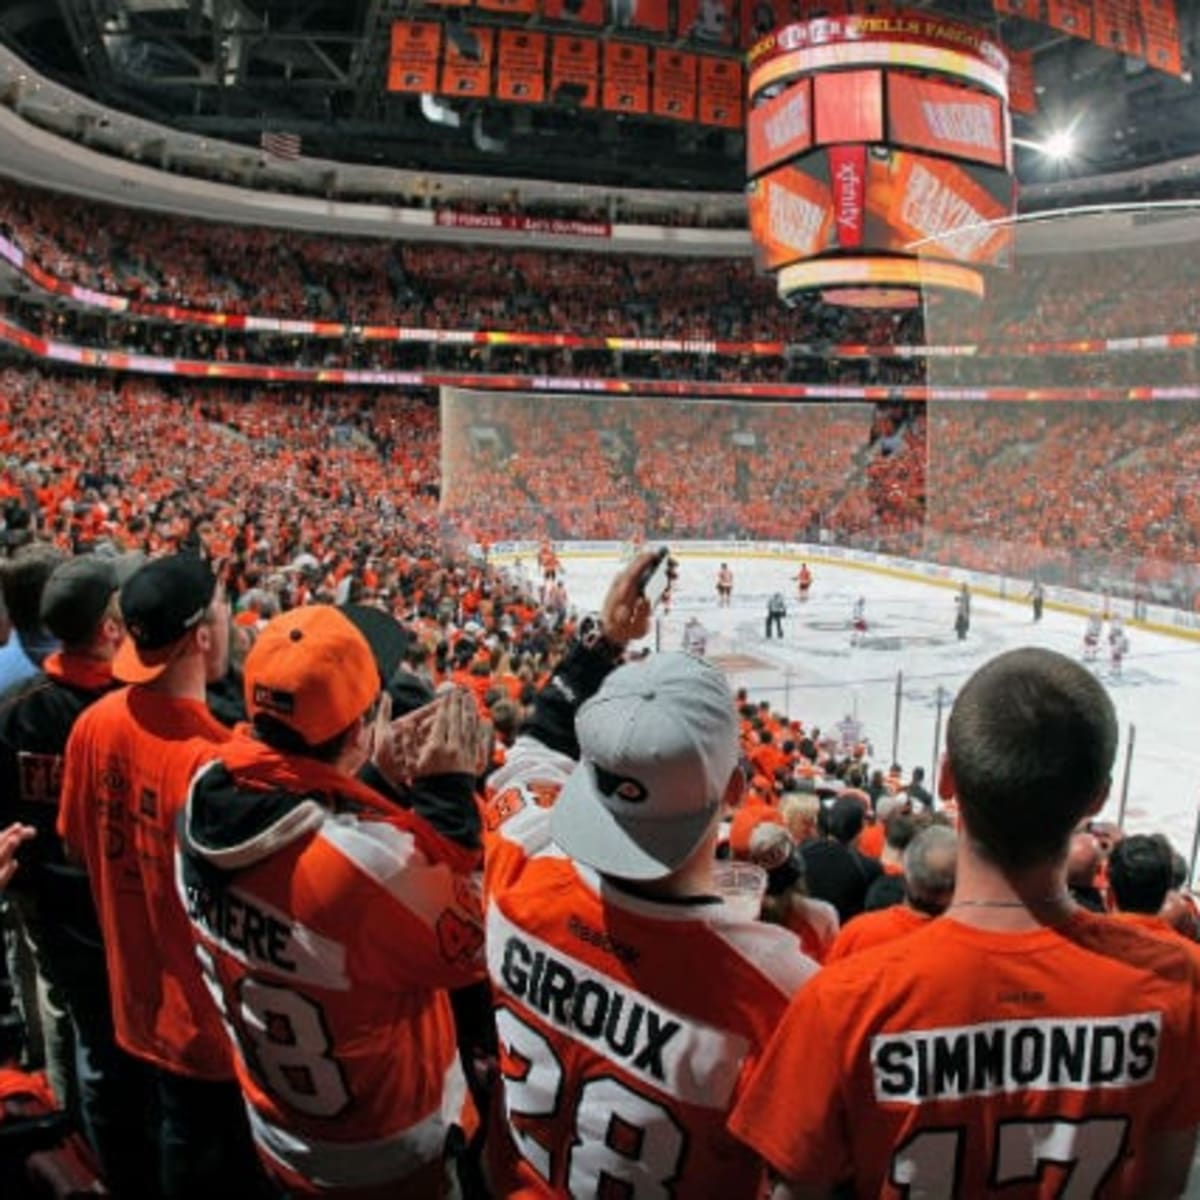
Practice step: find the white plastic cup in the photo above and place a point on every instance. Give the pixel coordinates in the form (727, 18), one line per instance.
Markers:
(742, 886)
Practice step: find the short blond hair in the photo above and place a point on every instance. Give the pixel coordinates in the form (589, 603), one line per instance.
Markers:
(801, 811)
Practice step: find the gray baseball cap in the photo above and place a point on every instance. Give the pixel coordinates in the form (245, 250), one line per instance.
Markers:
(658, 745)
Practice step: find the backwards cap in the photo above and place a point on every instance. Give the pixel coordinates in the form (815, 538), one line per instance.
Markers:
(658, 745)
(161, 603)
(315, 670)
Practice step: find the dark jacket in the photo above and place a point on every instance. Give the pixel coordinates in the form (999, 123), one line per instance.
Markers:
(36, 719)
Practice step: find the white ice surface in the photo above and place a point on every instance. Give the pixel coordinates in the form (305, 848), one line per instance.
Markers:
(815, 675)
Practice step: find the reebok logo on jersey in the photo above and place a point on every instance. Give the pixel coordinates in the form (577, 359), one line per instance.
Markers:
(685, 1058)
(1016, 1056)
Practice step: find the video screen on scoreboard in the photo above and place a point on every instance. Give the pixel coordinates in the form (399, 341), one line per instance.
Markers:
(848, 107)
(929, 115)
(791, 213)
(779, 128)
(874, 199)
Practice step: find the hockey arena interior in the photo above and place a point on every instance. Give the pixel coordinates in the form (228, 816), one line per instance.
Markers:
(599, 599)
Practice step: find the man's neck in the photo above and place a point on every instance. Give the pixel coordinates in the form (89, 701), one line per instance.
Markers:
(987, 897)
(182, 680)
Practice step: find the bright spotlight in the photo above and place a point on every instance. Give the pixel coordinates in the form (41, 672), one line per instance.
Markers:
(1059, 145)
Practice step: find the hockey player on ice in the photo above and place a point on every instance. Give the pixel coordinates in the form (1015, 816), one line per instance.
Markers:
(1091, 637)
(804, 581)
(1118, 645)
(695, 637)
(962, 612)
(858, 621)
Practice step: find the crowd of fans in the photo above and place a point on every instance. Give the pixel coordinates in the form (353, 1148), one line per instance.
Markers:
(1096, 496)
(289, 963)
(279, 273)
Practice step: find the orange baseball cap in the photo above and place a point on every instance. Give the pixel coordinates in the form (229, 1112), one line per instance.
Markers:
(312, 670)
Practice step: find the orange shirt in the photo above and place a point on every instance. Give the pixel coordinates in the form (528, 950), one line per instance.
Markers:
(129, 763)
(618, 1072)
(876, 929)
(974, 1058)
(870, 841)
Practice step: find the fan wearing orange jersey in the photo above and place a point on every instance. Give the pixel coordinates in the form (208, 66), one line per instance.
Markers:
(618, 1071)
(330, 922)
(1018, 1045)
(128, 762)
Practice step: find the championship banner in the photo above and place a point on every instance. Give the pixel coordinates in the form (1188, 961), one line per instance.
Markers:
(791, 216)
(521, 66)
(1160, 25)
(414, 59)
(651, 16)
(1071, 16)
(780, 128)
(1022, 86)
(585, 12)
(949, 120)
(626, 77)
(721, 92)
(1115, 26)
(575, 64)
(675, 85)
(849, 107)
(933, 208)
(525, 7)
(848, 182)
(707, 22)
(462, 76)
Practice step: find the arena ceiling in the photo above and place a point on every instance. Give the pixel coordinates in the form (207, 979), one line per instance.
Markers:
(231, 68)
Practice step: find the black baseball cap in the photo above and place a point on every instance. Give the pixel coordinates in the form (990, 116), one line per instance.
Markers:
(78, 593)
(161, 603)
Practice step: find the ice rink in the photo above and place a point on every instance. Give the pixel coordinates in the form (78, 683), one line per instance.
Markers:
(815, 675)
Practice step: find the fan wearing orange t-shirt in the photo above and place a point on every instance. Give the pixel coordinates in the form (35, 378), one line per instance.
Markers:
(929, 865)
(1018, 1045)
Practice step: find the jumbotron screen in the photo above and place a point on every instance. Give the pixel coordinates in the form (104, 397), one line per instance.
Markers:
(882, 200)
(848, 107)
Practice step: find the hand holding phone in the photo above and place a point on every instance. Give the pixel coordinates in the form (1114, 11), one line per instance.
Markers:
(656, 579)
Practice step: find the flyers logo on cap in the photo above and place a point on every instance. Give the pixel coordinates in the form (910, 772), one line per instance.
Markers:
(621, 786)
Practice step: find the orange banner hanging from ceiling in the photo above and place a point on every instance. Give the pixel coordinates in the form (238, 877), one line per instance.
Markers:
(468, 76)
(509, 6)
(720, 92)
(1115, 26)
(1022, 86)
(1071, 16)
(521, 66)
(575, 71)
(674, 85)
(586, 12)
(414, 61)
(1160, 24)
(626, 77)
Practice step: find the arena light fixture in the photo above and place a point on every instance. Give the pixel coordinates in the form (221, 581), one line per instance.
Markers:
(1060, 145)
